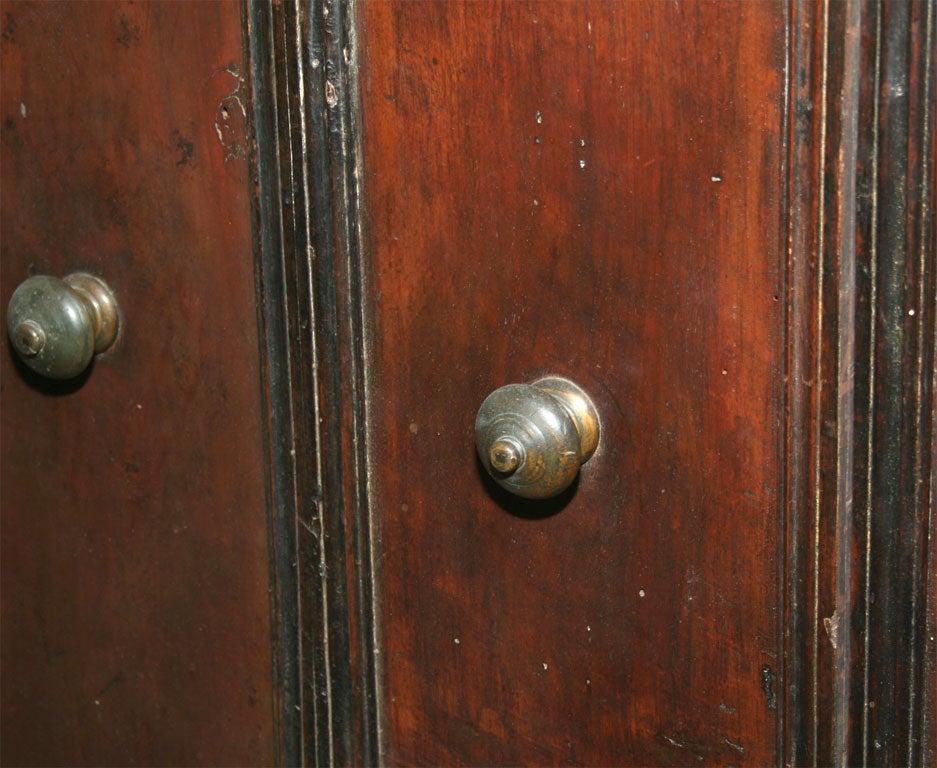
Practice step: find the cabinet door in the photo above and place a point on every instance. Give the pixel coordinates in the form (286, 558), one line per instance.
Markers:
(586, 190)
(135, 581)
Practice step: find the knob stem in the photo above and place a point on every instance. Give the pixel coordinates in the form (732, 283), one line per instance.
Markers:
(506, 455)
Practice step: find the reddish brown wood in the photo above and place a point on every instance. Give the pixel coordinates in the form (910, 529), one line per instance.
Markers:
(135, 608)
(592, 190)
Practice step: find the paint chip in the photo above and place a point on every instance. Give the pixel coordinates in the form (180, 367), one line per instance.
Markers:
(331, 94)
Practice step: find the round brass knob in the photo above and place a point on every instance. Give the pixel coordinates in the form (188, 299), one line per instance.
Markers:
(57, 326)
(532, 438)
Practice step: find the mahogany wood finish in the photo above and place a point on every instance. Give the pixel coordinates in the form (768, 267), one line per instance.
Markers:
(589, 190)
(719, 220)
(715, 217)
(135, 580)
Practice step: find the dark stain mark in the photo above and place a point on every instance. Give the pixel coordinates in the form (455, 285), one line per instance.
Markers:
(767, 685)
(187, 148)
(114, 682)
(9, 124)
(129, 33)
(9, 28)
(131, 468)
(116, 210)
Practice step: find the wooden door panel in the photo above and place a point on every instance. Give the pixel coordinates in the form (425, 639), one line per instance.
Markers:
(135, 582)
(590, 190)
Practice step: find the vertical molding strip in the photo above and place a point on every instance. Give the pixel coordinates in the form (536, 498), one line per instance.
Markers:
(872, 234)
(846, 369)
(310, 309)
(272, 308)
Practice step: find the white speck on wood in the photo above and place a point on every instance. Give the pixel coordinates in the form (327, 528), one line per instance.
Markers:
(831, 625)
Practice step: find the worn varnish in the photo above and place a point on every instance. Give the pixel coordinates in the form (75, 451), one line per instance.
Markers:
(590, 190)
(135, 603)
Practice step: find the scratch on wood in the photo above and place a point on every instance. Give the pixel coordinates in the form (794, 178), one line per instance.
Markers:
(112, 684)
(231, 116)
(767, 685)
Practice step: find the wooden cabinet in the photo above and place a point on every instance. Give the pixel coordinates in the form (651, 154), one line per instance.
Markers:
(135, 610)
(334, 229)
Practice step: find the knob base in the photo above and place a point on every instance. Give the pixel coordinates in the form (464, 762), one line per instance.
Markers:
(101, 306)
(579, 405)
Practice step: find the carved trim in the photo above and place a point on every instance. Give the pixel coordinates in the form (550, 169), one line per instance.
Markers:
(309, 289)
(860, 376)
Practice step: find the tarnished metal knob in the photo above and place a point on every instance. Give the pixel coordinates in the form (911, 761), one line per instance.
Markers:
(532, 438)
(57, 326)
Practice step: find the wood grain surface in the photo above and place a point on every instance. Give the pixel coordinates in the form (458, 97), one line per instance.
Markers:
(135, 604)
(592, 190)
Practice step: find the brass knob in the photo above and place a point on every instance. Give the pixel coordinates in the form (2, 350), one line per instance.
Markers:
(57, 326)
(532, 438)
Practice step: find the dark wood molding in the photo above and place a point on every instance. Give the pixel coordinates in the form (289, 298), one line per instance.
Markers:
(310, 303)
(895, 297)
(276, 295)
(860, 385)
(820, 305)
